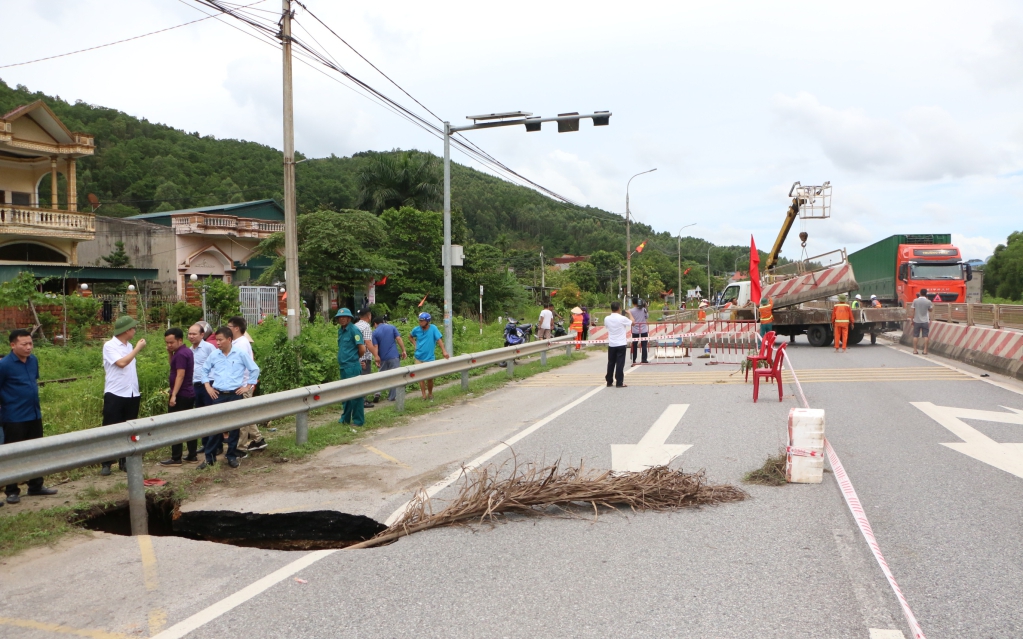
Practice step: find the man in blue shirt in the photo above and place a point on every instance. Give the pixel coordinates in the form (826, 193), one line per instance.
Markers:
(425, 339)
(20, 415)
(387, 340)
(224, 377)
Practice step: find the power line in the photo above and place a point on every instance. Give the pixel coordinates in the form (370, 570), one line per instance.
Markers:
(109, 44)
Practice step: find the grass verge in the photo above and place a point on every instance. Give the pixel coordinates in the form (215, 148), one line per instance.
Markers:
(22, 530)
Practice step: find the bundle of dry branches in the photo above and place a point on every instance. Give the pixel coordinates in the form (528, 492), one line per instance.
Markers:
(533, 489)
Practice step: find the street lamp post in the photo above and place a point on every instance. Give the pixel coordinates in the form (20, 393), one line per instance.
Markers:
(567, 122)
(710, 288)
(193, 277)
(628, 237)
(678, 292)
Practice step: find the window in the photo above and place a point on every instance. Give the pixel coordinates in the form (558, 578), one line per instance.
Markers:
(21, 199)
(937, 272)
(730, 295)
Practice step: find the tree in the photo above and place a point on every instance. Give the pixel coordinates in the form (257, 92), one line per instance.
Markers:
(501, 292)
(400, 179)
(221, 300)
(584, 275)
(607, 265)
(23, 291)
(118, 257)
(1003, 274)
(334, 247)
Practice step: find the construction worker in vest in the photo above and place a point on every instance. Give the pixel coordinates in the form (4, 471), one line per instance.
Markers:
(841, 323)
(766, 315)
(577, 325)
(874, 302)
(701, 313)
(856, 302)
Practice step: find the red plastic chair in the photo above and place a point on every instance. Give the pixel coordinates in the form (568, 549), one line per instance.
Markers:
(764, 355)
(771, 373)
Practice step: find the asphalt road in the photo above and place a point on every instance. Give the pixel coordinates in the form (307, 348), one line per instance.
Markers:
(788, 562)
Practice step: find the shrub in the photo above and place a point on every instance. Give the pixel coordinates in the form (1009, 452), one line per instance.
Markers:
(184, 315)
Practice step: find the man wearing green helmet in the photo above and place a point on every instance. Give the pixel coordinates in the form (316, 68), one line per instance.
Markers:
(351, 345)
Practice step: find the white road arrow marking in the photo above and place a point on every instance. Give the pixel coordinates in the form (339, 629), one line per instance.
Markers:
(1007, 457)
(651, 450)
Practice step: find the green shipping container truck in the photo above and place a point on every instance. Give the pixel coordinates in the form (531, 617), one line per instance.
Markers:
(880, 269)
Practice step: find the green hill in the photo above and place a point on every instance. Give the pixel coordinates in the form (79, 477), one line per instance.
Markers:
(142, 167)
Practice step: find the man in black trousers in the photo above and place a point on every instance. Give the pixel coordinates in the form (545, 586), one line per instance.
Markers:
(20, 415)
(618, 326)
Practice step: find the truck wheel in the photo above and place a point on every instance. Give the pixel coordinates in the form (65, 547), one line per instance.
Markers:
(818, 335)
(855, 337)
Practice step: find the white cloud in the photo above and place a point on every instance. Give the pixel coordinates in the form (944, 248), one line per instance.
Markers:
(926, 143)
(1001, 65)
(974, 247)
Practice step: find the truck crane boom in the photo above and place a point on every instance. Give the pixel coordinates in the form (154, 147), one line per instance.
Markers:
(790, 217)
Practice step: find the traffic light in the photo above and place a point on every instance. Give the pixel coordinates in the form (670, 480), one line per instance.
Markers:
(602, 120)
(567, 126)
(532, 126)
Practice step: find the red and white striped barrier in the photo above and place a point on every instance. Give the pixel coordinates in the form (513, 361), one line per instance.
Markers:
(998, 342)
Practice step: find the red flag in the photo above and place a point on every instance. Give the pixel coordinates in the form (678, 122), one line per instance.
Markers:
(686, 272)
(381, 282)
(553, 293)
(639, 249)
(423, 301)
(754, 271)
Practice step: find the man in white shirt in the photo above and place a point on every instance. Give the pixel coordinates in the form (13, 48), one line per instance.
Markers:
(618, 326)
(546, 322)
(121, 397)
(250, 439)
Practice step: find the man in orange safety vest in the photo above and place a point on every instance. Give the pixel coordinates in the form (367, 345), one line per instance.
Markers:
(841, 323)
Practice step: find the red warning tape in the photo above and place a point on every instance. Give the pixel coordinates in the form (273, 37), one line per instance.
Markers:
(864, 524)
(860, 515)
(803, 452)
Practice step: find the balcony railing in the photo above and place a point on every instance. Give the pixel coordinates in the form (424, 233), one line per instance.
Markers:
(216, 224)
(27, 220)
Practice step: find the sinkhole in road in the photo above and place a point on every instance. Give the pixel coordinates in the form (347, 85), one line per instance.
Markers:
(307, 530)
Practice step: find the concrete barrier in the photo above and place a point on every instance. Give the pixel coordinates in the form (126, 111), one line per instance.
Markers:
(996, 350)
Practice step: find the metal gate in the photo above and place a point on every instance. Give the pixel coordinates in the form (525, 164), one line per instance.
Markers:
(258, 302)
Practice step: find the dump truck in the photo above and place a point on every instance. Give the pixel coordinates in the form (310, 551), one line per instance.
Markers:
(897, 268)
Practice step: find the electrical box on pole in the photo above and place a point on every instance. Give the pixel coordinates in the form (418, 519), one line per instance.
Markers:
(568, 126)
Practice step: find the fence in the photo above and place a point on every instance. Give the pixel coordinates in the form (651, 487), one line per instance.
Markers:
(34, 458)
(258, 302)
(993, 315)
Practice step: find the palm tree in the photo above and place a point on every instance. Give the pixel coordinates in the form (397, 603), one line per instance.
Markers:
(403, 178)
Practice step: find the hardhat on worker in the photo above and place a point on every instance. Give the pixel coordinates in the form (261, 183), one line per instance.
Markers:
(425, 316)
(873, 297)
(859, 297)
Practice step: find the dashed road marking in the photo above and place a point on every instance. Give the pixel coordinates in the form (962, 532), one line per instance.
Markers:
(393, 460)
(732, 376)
(59, 628)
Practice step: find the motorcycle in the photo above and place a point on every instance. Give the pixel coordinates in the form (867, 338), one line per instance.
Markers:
(514, 334)
(559, 329)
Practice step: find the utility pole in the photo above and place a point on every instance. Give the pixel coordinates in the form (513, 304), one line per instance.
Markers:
(446, 249)
(709, 287)
(543, 277)
(290, 214)
(628, 237)
(679, 291)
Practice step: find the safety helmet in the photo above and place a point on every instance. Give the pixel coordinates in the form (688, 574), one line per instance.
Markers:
(873, 297)
(425, 316)
(859, 297)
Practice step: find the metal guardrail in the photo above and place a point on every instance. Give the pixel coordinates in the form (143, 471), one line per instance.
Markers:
(37, 457)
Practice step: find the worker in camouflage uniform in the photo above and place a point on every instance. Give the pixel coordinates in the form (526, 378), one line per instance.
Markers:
(351, 345)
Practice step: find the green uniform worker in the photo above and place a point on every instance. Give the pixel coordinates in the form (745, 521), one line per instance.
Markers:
(350, 347)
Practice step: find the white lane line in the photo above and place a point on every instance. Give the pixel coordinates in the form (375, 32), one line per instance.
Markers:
(487, 456)
(203, 617)
(876, 633)
(930, 359)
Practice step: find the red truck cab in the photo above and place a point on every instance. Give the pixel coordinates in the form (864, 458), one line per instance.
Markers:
(938, 268)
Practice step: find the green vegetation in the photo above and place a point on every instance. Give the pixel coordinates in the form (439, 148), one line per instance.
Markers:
(142, 167)
(1003, 273)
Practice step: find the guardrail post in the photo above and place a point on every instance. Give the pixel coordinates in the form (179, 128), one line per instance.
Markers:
(399, 398)
(511, 368)
(465, 381)
(302, 427)
(568, 350)
(994, 316)
(969, 314)
(137, 496)
(543, 358)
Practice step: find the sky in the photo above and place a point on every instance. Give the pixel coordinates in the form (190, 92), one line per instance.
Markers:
(910, 109)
